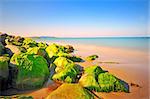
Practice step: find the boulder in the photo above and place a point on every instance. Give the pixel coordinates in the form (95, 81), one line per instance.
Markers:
(28, 42)
(42, 45)
(29, 71)
(14, 40)
(4, 72)
(70, 91)
(13, 49)
(66, 70)
(109, 82)
(89, 78)
(94, 78)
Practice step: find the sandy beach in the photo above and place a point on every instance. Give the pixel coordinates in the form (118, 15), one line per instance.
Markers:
(129, 65)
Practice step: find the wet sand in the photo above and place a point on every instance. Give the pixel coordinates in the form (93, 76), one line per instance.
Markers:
(131, 66)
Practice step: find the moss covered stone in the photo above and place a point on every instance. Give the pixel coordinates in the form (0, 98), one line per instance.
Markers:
(109, 82)
(70, 91)
(28, 42)
(89, 79)
(32, 71)
(96, 79)
(66, 70)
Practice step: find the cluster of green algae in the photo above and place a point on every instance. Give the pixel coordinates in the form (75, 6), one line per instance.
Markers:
(32, 65)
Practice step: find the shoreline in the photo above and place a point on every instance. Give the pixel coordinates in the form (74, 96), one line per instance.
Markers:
(131, 68)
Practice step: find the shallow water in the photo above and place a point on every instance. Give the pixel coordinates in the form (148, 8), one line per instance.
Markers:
(135, 43)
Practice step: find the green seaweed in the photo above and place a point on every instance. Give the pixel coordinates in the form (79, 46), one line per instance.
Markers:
(32, 71)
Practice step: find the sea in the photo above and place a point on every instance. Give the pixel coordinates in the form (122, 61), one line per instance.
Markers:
(133, 43)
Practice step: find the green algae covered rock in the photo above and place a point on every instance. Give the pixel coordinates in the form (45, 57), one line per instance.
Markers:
(37, 50)
(96, 79)
(62, 62)
(91, 57)
(109, 82)
(89, 79)
(70, 91)
(42, 45)
(28, 42)
(54, 49)
(4, 71)
(14, 40)
(65, 70)
(31, 71)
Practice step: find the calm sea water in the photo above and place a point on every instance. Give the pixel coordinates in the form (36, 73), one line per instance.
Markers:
(134, 43)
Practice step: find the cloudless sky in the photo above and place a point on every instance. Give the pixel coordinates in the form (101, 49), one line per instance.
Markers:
(74, 18)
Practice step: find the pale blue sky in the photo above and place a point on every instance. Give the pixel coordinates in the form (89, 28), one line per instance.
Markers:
(74, 18)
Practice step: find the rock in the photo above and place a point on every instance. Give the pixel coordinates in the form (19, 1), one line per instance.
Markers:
(12, 49)
(1, 48)
(29, 71)
(92, 57)
(28, 42)
(54, 49)
(2, 38)
(109, 82)
(42, 45)
(75, 58)
(4, 72)
(70, 91)
(66, 70)
(12, 40)
(69, 48)
(89, 79)
(37, 51)
(96, 79)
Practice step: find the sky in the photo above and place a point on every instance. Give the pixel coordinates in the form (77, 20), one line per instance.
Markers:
(74, 18)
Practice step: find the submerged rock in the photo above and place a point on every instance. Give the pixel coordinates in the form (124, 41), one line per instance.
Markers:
(92, 57)
(29, 71)
(4, 72)
(70, 91)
